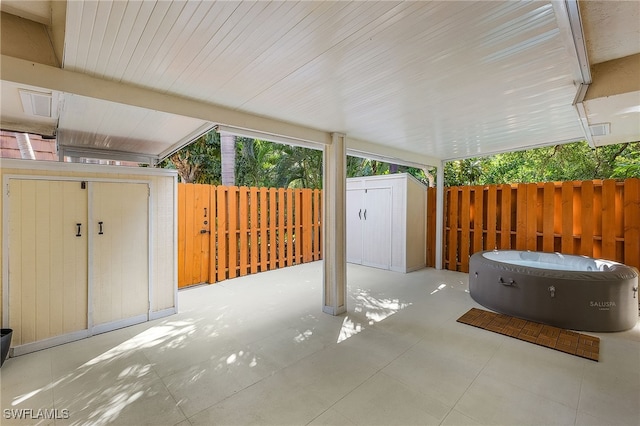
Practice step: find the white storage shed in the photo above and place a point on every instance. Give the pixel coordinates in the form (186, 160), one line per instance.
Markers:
(85, 249)
(386, 222)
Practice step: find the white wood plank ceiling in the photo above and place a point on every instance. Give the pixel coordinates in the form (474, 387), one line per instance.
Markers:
(438, 79)
(446, 79)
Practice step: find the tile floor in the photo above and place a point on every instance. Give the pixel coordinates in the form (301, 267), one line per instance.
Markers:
(258, 350)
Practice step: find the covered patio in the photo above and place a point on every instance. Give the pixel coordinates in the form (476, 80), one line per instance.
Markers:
(415, 83)
(256, 350)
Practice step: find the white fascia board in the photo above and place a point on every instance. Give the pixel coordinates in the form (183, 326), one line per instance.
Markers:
(388, 154)
(58, 166)
(34, 74)
(283, 139)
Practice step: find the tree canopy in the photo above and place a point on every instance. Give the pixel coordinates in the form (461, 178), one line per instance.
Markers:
(573, 161)
(268, 164)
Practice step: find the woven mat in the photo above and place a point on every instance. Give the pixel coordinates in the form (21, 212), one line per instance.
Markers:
(544, 335)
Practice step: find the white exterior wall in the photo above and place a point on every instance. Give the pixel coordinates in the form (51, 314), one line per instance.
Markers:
(416, 225)
(162, 220)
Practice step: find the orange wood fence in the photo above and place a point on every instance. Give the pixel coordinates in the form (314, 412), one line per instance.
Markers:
(598, 218)
(226, 232)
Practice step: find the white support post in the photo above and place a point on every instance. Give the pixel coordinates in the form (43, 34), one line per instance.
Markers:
(334, 222)
(439, 215)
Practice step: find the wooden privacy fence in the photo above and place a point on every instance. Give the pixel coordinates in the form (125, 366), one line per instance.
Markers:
(225, 232)
(594, 218)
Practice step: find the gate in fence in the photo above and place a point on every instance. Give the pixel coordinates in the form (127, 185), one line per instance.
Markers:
(226, 232)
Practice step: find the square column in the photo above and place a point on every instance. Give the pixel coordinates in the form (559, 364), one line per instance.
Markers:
(335, 226)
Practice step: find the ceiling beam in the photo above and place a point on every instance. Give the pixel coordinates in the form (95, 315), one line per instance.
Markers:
(388, 154)
(615, 77)
(34, 74)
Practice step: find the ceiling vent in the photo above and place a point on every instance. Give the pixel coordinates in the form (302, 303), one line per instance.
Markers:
(600, 129)
(36, 103)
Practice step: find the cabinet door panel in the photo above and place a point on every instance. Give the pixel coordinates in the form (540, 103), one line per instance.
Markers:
(354, 225)
(120, 243)
(376, 237)
(47, 260)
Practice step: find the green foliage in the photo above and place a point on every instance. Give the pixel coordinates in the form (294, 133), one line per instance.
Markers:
(358, 167)
(268, 164)
(258, 163)
(199, 162)
(575, 161)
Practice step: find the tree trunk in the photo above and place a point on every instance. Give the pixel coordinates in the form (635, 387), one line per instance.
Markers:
(228, 153)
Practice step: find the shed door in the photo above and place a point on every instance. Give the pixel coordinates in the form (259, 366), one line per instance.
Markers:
(376, 234)
(47, 259)
(119, 229)
(355, 207)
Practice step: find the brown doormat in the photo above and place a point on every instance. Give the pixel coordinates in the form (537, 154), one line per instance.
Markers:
(544, 335)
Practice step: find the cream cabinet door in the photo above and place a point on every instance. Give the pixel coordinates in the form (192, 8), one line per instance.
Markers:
(355, 208)
(376, 234)
(119, 243)
(47, 259)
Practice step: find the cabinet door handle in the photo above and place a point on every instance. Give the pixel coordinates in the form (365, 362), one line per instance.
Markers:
(78, 233)
(360, 214)
(365, 214)
(100, 230)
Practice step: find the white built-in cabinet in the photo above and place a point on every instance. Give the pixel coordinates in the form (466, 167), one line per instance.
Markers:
(78, 259)
(386, 222)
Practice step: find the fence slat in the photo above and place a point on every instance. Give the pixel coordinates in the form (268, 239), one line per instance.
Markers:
(490, 223)
(452, 207)
(289, 195)
(317, 224)
(297, 240)
(478, 213)
(505, 217)
(243, 218)
(548, 216)
(232, 231)
(567, 226)
(586, 236)
(189, 243)
(273, 208)
(306, 226)
(465, 228)
(264, 227)
(221, 232)
(281, 228)
(531, 236)
(213, 201)
(632, 222)
(609, 219)
(254, 226)
(521, 217)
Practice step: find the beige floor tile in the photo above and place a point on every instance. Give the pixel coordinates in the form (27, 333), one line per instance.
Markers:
(496, 402)
(259, 350)
(383, 400)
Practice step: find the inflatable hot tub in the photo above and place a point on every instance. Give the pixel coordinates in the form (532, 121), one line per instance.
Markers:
(566, 291)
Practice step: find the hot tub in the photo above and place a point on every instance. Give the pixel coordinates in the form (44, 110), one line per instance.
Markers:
(567, 291)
